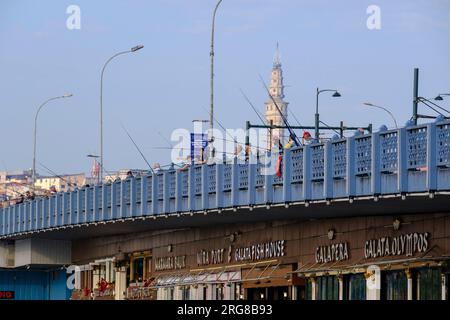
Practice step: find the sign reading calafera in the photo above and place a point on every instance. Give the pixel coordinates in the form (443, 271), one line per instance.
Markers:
(260, 251)
(170, 263)
(332, 253)
(405, 244)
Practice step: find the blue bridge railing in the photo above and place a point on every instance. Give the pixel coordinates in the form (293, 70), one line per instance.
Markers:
(412, 159)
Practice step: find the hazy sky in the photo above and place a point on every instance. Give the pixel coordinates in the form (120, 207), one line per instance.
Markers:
(166, 85)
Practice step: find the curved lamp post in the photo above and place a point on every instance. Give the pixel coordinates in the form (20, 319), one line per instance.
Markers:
(134, 49)
(382, 108)
(67, 95)
(336, 94)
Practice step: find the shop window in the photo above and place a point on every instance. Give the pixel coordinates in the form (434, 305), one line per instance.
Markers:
(327, 288)
(430, 287)
(394, 285)
(355, 287)
(185, 292)
(138, 268)
(308, 289)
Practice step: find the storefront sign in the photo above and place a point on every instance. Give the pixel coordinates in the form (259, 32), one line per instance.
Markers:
(332, 253)
(6, 295)
(170, 263)
(207, 257)
(261, 251)
(406, 244)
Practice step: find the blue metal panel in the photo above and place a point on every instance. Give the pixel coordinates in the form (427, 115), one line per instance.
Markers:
(219, 185)
(96, 203)
(133, 196)
(252, 169)
(268, 181)
(154, 193)
(234, 182)
(402, 174)
(350, 170)
(35, 285)
(287, 174)
(328, 171)
(417, 147)
(375, 165)
(306, 173)
(166, 191)
(431, 158)
(205, 186)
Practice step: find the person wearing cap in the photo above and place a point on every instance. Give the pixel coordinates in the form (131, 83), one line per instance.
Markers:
(306, 138)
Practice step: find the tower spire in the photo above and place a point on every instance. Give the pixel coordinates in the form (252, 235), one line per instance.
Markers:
(276, 59)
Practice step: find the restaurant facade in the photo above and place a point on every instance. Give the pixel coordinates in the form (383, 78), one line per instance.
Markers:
(358, 258)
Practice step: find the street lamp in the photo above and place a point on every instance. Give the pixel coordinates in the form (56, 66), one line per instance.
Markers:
(439, 97)
(336, 94)
(382, 108)
(211, 111)
(67, 95)
(133, 49)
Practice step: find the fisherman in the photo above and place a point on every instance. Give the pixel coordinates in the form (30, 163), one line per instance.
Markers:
(156, 167)
(186, 163)
(306, 138)
(290, 143)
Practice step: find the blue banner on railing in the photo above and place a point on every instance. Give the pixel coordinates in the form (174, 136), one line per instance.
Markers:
(199, 141)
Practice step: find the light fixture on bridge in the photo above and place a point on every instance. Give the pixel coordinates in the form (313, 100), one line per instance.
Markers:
(166, 216)
(286, 205)
(205, 213)
(306, 204)
(250, 208)
(376, 198)
(234, 209)
(328, 202)
(350, 200)
(219, 210)
(191, 214)
(431, 195)
(268, 207)
(403, 196)
(154, 217)
(178, 215)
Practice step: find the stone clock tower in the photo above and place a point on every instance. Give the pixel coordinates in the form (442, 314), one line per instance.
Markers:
(276, 89)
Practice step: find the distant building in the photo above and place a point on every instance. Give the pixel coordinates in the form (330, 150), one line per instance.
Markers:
(123, 173)
(276, 89)
(61, 183)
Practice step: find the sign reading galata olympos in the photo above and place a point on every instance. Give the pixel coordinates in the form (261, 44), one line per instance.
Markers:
(405, 244)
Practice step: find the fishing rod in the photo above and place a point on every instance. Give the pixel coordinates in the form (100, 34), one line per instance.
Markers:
(286, 123)
(422, 99)
(253, 107)
(326, 125)
(139, 150)
(165, 139)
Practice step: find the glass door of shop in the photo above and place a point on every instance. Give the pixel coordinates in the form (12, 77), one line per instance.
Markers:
(355, 287)
(327, 288)
(430, 283)
(394, 285)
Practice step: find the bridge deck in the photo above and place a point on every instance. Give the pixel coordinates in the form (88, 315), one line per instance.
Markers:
(388, 163)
